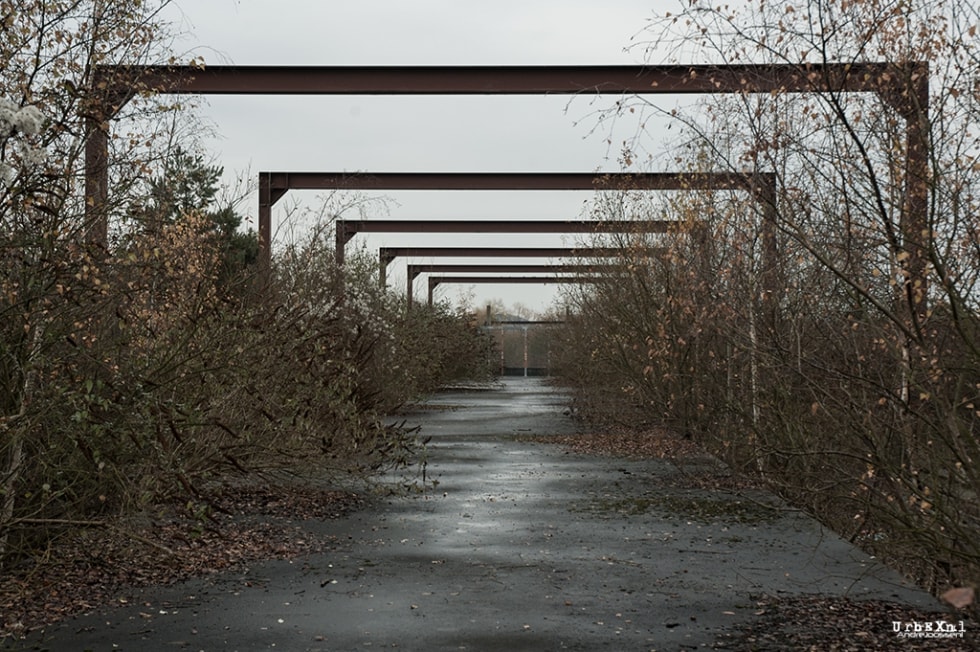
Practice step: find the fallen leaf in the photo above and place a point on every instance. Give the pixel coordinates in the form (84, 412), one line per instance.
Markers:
(960, 598)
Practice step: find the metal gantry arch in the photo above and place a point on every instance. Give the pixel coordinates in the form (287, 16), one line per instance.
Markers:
(347, 229)
(903, 86)
(387, 255)
(436, 281)
(273, 186)
(761, 185)
(413, 270)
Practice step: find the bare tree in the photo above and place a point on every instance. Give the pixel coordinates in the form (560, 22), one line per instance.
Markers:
(852, 381)
(48, 49)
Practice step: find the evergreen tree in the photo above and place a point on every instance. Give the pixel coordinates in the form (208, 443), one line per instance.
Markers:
(188, 184)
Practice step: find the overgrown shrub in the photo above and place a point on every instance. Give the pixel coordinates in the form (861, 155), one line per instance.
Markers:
(793, 335)
(815, 396)
(162, 375)
(137, 367)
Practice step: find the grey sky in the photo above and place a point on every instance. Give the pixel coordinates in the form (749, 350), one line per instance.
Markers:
(388, 134)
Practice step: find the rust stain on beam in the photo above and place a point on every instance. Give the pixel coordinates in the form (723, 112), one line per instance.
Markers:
(347, 229)
(415, 270)
(436, 281)
(506, 80)
(388, 254)
(412, 271)
(904, 86)
(274, 185)
(284, 181)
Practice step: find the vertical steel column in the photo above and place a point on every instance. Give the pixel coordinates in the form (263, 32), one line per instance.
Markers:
(915, 214)
(433, 283)
(904, 87)
(97, 176)
(763, 188)
(907, 91)
(384, 259)
(265, 229)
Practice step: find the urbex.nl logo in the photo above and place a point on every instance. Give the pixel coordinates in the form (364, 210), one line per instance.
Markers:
(930, 629)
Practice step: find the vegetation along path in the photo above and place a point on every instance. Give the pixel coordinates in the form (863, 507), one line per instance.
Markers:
(521, 545)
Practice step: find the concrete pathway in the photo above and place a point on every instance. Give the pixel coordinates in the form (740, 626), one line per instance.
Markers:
(520, 546)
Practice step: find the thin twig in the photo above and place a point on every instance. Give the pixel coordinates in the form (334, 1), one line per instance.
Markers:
(83, 523)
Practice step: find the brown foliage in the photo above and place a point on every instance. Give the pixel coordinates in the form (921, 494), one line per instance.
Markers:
(793, 335)
(103, 564)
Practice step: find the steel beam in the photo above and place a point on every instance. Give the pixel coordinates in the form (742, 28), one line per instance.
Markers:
(274, 185)
(436, 281)
(414, 270)
(283, 181)
(504, 80)
(388, 254)
(347, 229)
(904, 86)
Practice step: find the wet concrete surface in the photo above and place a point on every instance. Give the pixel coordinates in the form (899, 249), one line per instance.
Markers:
(519, 546)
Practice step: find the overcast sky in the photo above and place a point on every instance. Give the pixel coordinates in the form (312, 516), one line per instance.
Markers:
(420, 134)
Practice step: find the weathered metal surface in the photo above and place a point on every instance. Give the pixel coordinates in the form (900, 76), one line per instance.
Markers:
(903, 86)
(436, 281)
(507, 80)
(274, 185)
(347, 229)
(415, 270)
(283, 181)
(388, 254)
(412, 271)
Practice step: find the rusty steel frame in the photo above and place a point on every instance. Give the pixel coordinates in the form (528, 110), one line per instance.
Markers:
(436, 281)
(413, 271)
(904, 87)
(558, 268)
(501, 80)
(387, 255)
(347, 229)
(273, 186)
